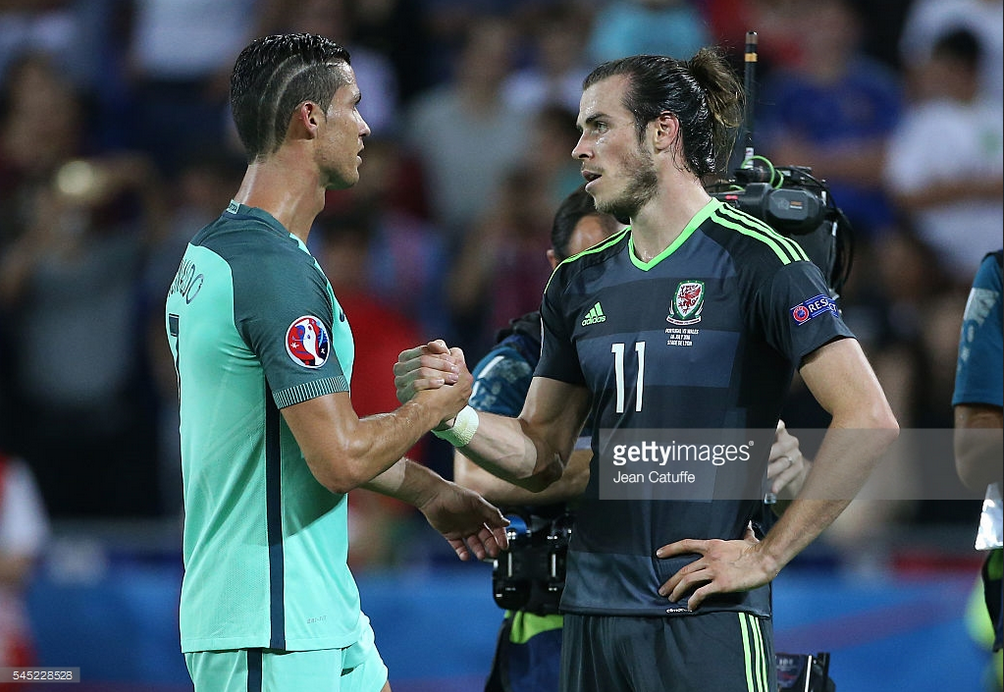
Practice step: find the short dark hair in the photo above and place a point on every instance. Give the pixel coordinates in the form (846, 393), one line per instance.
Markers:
(703, 93)
(960, 45)
(275, 74)
(573, 209)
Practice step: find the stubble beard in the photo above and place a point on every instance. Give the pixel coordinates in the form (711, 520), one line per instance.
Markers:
(641, 187)
(334, 179)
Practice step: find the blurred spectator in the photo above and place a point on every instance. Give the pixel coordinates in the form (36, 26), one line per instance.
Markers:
(24, 529)
(928, 20)
(74, 334)
(346, 247)
(946, 159)
(333, 19)
(548, 152)
(180, 53)
(447, 26)
(45, 26)
(833, 109)
(407, 262)
(778, 22)
(464, 133)
(660, 27)
(772, 20)
(377, 523)
(32, 148)
(557, 61)
(71, 285)
(396, 29)
(502, 267)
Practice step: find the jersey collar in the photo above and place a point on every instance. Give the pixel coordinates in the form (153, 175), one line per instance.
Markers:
(688, 231)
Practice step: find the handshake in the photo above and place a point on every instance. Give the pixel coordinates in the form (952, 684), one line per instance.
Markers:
(436, 376)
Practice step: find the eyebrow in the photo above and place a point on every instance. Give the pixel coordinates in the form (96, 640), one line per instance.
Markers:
(590, 120)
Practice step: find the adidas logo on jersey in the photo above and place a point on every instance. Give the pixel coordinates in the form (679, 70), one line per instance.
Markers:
(594, 316)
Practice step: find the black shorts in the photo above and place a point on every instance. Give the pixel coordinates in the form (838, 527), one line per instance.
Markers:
(708, 652)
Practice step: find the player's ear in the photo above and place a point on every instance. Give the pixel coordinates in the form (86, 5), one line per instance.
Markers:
(304, 121)
(553, 259)
(665, 130)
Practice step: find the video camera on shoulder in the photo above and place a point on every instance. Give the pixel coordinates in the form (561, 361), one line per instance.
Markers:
(789, 199)
(794, 203)
(530, 575)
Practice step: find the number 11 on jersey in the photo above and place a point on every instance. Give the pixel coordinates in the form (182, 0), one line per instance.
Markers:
(618, 350)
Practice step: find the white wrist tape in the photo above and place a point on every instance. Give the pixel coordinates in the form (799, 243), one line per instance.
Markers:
(463, 429)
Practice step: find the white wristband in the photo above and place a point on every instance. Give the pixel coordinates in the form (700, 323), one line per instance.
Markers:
(463, 429)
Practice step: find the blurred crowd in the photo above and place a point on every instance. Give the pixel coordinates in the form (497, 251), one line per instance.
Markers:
(116, 146)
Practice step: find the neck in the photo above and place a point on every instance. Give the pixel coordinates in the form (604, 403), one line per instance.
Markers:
(290, 193)
(665, 216)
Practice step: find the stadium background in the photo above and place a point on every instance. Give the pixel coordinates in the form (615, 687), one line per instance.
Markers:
(136, 88)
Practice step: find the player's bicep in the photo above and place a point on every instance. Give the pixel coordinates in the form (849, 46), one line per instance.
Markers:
(554, 412)
(323, 427)
(841, 379)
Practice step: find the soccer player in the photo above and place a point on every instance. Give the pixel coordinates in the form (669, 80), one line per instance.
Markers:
(979, 416)
(528, 651)
(270, 441)
(690, 321)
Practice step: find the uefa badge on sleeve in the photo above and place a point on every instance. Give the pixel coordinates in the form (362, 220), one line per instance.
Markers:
(813, 307)
(307, 342)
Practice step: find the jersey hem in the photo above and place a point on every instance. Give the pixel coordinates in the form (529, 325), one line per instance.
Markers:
(663, 612)
(231, 643)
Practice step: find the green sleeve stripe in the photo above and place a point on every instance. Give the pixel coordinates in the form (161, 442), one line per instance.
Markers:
(310, 390)
(602, 245)
(528, 625)
(756, 224)
(760, 230)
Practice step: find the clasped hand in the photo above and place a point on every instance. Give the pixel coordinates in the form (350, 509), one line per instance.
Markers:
(427, 367)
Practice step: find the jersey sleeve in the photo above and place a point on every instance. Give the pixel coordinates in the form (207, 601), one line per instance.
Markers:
(558, 357)
(501, 381)
(284, 313)
(978, 372)
(797, 313)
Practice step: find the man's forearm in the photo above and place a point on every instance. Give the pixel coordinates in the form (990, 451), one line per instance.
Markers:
(978, 444)
(407, 481)
(497, 491)
(502, 447)
(846, 459)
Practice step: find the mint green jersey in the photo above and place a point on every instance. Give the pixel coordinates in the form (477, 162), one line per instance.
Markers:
(254, 327)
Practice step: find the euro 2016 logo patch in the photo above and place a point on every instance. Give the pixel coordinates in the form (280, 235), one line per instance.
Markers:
(813, 307)
(687, 303)
(307, 342)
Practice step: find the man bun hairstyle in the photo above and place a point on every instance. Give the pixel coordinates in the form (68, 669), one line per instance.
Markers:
(275, 74)
(703, 93)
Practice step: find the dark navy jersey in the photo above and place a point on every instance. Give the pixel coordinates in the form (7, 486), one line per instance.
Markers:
(704, 337)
